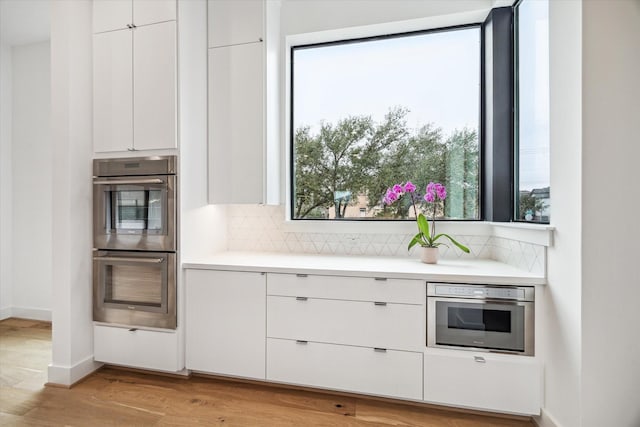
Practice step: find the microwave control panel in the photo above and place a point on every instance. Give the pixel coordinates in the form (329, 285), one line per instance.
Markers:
(451, 290)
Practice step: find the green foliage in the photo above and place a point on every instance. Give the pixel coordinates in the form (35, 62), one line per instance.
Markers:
(425, 237)
(359, 156)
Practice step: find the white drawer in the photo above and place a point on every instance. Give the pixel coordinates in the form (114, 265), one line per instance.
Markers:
(494, 382)
(349, 288)
(136, 348)
(346, 368)
(392, 326)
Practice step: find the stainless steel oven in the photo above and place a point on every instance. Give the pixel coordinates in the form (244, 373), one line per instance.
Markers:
(481, 317)
(135, 288)
(134, 204)
(134, 240)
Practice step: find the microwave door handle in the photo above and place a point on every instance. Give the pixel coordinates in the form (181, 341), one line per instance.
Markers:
(124, 259)
(128, 181)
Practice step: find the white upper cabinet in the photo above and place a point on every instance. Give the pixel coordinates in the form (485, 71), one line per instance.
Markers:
(110, 15)
(153, 11)
(134, 75)
(244, 148)
(154, 86)
(236, 127)
(112, 91)
(234, 22)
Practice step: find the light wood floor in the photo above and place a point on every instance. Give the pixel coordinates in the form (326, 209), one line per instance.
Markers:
(114, 397)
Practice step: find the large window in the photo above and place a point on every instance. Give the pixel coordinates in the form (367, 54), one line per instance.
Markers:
(532, 118)
(370, 113)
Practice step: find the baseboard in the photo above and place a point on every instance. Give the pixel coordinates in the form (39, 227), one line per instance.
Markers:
(5, 313)
(66, 376)
(545, 420)
(31, 313)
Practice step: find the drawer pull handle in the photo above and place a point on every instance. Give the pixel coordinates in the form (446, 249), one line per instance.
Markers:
(133, 329)
(479, 359)
(380, 303)
(380, 279)
(302, 275)
(301, 298)
(301, 342)
(380, 350)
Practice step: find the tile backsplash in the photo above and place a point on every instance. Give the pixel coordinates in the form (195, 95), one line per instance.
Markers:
(262, 228)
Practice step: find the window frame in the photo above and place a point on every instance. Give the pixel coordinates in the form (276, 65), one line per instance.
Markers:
(290, 129)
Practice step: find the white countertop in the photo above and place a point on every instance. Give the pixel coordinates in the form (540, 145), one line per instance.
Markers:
(461, 271)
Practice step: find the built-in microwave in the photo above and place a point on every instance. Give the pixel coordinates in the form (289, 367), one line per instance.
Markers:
(481, 317)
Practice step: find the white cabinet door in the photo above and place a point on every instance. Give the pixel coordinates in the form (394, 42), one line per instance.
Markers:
(109, 15)
(363, 323)
(236, 116)
(112, 91)
(154, 86)
(225, 323)
(405, 291)
(137, 348)
(483, 381)
(342, 367)
(153, 11)
(235, 22)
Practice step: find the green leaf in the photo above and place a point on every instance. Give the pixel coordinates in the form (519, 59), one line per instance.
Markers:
(416, 239)
(462, 247)
(423, 226)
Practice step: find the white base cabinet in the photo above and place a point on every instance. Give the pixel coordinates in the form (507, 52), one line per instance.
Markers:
(352, 334)
(493, 382)
(138, 348)
(225, 323)
(346, 368)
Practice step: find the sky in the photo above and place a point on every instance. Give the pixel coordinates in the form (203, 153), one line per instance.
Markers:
(533, 67)
(435, 75)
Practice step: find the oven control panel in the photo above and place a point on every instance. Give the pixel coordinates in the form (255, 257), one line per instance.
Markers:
(450, 290)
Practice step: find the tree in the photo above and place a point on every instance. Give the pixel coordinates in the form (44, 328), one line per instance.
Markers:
(359, 157)
(462, 174)
(529, 203)
(341, 159)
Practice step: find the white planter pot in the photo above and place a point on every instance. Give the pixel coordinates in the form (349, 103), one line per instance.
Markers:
(429, 255)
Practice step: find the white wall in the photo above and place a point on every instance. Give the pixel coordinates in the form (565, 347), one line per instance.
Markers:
(303, 16)
(562, 318)
(202, 226)
(31, 164)
(6, 259)
(611, 231)
(71, 117)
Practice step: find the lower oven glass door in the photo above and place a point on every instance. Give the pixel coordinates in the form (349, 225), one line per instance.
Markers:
(135, 288)
(492, 325)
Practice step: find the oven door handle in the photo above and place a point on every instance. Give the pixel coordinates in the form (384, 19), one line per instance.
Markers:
(128, 181)
(131, 259)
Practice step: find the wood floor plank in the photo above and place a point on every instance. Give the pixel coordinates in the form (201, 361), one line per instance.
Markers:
(114, 397)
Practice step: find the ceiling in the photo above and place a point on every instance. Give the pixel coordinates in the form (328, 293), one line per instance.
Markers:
(24, 21)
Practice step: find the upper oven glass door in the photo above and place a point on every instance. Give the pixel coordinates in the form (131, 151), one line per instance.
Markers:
(136, 213)
(492, 325)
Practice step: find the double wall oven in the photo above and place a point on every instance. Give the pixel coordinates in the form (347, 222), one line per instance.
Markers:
(134, 240)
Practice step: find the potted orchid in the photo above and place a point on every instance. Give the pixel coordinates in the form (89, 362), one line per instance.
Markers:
(426, 236)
